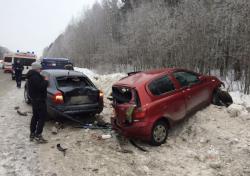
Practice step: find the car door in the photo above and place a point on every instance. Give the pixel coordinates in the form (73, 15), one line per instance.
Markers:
(27, 64)
(195, 92)
(167, 101)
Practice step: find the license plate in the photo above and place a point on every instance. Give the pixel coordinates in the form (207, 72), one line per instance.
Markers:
(79, 100)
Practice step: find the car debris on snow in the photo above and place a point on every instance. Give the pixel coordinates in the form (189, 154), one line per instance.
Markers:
(125, 151)
(215, 165)
(61, 149)
(106, 136)
(95, 126)
(137, 146)
(55, 129)
(22, 113)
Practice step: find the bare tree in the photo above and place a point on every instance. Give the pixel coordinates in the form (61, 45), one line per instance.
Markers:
(209, 36)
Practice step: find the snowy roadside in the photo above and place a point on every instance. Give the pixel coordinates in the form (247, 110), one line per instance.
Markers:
(18, 156)
(214, 141)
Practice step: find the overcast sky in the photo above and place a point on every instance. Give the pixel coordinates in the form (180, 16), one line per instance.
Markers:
(31, 25)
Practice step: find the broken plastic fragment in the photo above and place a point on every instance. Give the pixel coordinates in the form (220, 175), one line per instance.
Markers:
(129, 113)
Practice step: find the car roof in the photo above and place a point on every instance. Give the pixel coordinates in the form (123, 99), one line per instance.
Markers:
(141, 78)
(61, 72)
(55, 59)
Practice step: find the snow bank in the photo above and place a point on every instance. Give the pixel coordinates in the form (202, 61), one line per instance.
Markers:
(91, 74)
(235, 110)
(240, 98)
(241, 104)
(103, 82)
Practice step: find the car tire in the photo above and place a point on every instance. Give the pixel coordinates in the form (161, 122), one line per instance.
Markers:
(221, 98)
(159, 133)
(26, 97)
(215, 98)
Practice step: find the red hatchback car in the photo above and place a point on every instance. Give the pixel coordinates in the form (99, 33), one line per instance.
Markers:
(146, 104)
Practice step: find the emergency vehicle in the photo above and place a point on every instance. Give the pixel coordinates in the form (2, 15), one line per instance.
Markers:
(26, 60)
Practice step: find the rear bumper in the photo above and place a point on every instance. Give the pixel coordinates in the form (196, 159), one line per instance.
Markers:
(79, 109)
(7, 70)
(138, 130)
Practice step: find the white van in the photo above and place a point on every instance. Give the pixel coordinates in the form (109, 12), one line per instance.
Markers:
(1, 64)
(26, 60)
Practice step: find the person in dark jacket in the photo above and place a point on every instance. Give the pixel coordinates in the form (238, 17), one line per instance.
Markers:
(18, 69)
(37, 90)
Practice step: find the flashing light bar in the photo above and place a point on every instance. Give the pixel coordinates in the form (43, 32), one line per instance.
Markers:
(28, 52)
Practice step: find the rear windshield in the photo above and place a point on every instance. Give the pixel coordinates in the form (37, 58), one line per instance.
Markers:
(25, 61)
(121, 94)
(74, 82)
(8, 59)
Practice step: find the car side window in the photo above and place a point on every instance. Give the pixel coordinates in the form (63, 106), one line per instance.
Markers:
(186, 78)
(161, 85)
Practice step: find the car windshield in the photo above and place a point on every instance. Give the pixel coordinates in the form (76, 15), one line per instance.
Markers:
(25, 61)
(73, 82)
(55, 64)
(122, 94)
(7, 59)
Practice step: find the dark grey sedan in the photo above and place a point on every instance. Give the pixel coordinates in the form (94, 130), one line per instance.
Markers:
(70, 93)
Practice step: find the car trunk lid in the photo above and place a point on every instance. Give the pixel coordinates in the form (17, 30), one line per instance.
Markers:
(77, 91)
(125, 102)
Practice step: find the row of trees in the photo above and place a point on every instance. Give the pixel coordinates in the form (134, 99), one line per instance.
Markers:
(3, 50)
(203, 35)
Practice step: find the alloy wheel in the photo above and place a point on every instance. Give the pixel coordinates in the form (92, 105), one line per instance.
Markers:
(159, 133)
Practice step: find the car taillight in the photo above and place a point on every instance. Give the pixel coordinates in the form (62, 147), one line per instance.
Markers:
(139, 113)
(58, 98)
(101, 94)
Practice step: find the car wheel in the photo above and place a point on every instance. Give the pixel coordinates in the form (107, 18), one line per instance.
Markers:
(215, 98)
(26, 97)
(159, 133)
(221, 98)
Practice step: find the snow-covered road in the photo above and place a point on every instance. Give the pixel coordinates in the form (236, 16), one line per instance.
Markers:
(17, 155)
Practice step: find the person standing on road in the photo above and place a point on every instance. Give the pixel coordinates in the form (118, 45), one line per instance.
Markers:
(18, 68)
(37, 90)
